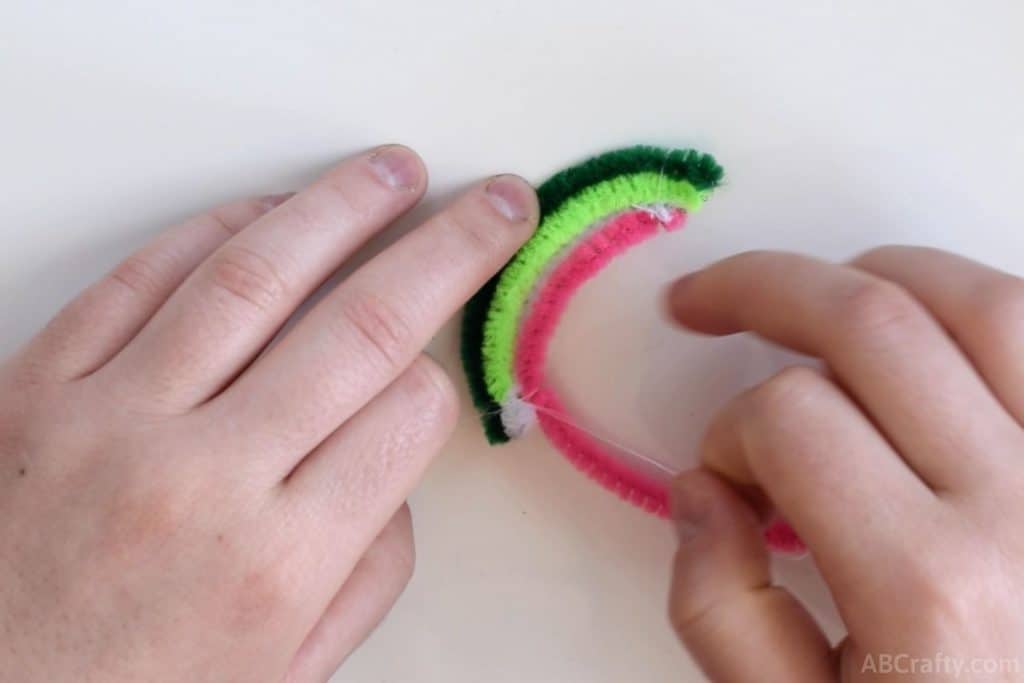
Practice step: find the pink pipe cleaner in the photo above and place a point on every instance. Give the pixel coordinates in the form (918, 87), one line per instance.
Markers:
(585, 261)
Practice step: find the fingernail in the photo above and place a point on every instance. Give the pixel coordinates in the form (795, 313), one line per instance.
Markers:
(271, 201)
(689, 510)
(397, 167)
(511, 196)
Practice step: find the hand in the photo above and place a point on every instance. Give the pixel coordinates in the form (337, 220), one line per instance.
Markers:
(180, 503)
(901, 468)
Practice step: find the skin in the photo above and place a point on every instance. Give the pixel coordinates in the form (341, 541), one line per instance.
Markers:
(899, 466)
(180, 500)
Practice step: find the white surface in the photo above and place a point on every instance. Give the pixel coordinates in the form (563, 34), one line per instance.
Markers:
(841, 125)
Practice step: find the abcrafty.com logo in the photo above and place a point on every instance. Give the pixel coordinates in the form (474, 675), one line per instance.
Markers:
(940, 666)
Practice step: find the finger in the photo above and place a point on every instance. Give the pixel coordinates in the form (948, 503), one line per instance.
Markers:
(98, 323)
(361, 604)
(358, 339)
(735, 623)
(234, 303)
(983, 309)
(882, 345)
(848, 495)
(351, 485)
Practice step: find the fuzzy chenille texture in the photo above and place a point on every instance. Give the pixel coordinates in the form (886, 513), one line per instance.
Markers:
(590, 214)
(571, 201)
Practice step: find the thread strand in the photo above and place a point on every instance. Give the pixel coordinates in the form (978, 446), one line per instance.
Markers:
(565, 419)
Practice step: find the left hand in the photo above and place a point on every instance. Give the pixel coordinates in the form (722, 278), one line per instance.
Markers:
(181, 502)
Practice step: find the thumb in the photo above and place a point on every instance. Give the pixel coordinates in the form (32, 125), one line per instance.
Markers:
(735, 623)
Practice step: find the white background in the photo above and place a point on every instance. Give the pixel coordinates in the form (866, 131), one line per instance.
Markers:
(841, 125)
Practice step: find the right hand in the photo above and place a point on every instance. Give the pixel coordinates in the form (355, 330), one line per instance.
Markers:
(901, 468)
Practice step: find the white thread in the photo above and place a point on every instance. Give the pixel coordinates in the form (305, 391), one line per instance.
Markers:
(661, 211)
(517, 415)
(611, 442)
(565, 419)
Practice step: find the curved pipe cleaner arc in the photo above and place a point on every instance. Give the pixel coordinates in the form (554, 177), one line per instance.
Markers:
(590, 214)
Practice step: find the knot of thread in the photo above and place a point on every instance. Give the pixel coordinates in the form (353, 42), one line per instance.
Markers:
(517, 415)
(660, 212)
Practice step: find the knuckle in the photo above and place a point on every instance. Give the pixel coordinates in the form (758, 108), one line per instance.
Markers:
(219, 221)
(399, 547)
(475, 233)
(404, 564)
(759, 260)
(247, 277)
(378, 324)
(138, 275)
(679, 619)
(686, 610)
(784, 396)
(876, 306)
(406, 441)
(774, 414)
(344, 199)
(1001, 305)
(754, 256)
(694, 618)
(431, 392)
(879, 254)
(949, 595)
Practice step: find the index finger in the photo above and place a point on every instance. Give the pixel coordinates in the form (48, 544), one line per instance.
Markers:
(884, 347)
(364, 334)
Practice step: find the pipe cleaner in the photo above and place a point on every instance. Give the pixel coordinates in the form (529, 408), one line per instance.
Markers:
(590, 214)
